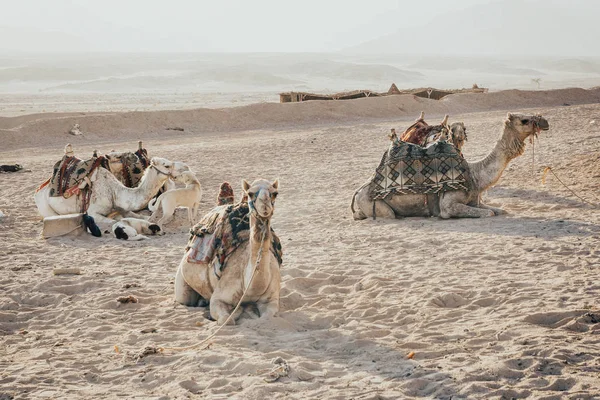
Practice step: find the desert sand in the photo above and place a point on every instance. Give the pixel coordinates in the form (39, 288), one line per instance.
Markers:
(504, 307)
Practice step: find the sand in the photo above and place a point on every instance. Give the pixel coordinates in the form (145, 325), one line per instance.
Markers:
(505, 307)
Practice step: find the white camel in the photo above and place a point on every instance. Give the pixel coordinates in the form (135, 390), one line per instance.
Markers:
(108, 194)
(457, 204)
(197, 282)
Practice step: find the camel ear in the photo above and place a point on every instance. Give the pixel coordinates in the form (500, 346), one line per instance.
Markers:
(245, 185)
(275, 184)
(509, 115)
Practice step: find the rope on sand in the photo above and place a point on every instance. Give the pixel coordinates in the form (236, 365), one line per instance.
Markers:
(549, 169)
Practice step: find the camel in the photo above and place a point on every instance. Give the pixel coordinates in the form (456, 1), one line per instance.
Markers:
(457, 204)
(252, 261)
(108, 194)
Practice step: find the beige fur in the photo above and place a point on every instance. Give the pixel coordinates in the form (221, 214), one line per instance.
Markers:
(189, 197)
(457, 204)
(197, 282)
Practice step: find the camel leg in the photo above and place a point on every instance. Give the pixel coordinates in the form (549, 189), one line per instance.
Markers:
(497, 211)
(268, 309)
(131, 214)
(450, 208)
(184, 294)
(382, 210)
(220, 311)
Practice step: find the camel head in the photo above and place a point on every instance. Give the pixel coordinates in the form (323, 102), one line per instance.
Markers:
(261, 196)
(459, 134)
(526, 125)
(162, 165)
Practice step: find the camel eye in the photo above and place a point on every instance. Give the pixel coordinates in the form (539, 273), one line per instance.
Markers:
(524, 121)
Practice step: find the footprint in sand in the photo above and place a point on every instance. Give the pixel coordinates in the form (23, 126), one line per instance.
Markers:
(449, 300)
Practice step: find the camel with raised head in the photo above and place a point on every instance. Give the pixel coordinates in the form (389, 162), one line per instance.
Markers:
(252, 266)
(457, 204)
(108, 194)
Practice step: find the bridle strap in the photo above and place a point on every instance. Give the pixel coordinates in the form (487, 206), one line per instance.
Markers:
(159, 171)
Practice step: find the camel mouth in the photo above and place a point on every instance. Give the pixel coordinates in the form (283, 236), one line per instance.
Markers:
(542, 124)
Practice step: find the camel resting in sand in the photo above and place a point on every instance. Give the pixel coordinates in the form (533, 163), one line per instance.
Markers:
(108, 194)
(253, 260)
(459, 203)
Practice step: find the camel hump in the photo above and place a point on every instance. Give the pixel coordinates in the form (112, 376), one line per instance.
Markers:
(226, 195)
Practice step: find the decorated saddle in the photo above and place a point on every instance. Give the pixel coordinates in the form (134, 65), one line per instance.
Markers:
(419, 132)
(134, 165)
(220, 232)
(407, 168)
(69, 173)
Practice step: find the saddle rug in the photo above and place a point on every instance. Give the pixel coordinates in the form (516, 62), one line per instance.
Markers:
(68, 174)
(220, 232)
(407, 168)
(132, 170)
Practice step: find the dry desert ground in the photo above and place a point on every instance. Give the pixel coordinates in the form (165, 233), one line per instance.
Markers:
(503, 307)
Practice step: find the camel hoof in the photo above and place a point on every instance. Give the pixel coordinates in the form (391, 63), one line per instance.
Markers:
(500, 211)
(221, 321)
(490, 213)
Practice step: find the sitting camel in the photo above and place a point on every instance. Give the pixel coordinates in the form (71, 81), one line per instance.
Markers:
(252, 266)
(458, 203)
(108, 194)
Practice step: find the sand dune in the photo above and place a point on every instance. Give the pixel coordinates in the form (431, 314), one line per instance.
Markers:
(505, 307)
(51, 129)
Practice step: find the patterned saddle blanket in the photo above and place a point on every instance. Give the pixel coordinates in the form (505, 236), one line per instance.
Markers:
(411, 169)
(134, 165)
(418, 132)
(220, 232)
(69, 173)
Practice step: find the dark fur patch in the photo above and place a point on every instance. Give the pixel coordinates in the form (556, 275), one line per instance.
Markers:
(154, 228)
(120, 233)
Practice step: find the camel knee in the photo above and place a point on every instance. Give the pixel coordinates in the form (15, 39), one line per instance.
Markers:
(220, 311)
(184, 294)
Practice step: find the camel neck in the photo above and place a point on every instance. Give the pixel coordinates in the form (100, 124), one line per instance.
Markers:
(138, 197)
(487, 172)
(260, 243)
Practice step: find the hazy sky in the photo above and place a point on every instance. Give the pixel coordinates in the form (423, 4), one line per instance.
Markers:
(198, 25)
(271, 25)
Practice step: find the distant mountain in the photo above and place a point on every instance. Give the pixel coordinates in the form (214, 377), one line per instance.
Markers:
(510, 28)
(13, 39)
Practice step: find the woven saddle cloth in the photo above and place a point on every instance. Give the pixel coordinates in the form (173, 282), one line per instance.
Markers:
(407, 168)
(220, 232)
(69, 173)
(133, 171)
